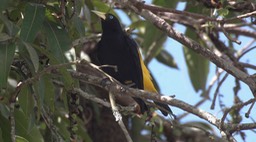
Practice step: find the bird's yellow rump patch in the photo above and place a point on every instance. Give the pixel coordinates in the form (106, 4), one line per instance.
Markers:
(147, 79)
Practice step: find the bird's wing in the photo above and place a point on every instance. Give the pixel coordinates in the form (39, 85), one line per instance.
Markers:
(146, 82)
(133, 49)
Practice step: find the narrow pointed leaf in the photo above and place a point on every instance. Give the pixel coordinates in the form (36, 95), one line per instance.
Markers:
(166, 3)
(58, 40)
(27, 106)
(22, 128)
(46, 91)
(6, 58)
(33, 19)
(12, 29)
(4, 37)
(166, 58)
(5, 128)
(198, 66)
(68, 80)
(21, 139)
(78, 23)
(26, 101)
(4, 4)
(153, 37)
(33, 55)
(153, 41)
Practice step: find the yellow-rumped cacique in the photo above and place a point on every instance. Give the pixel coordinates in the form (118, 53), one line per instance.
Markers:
(118, 49)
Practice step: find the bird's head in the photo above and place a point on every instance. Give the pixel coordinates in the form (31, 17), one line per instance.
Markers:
(109, 23)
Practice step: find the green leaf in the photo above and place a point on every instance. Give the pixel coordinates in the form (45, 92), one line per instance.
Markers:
(12, 29)
(138, 24)
(166, 3)
(25, 55)
(3, 4)
(46, 89)
(4, 37)
(1, 134)
(99, 6)
(166, 58)
(153, 41)
(27, 105)
(22, 128)
(58, 40)
(196, 7)
(82, 132)
(62, 123)
(6, 58)
(198, 124)
(33, 55)
(102, 6)
(4, 111)
(198, 66)
(223, 12)
(78, 23)
(26, 101)
(21, 139)
(5, 128)
(33, 19)
(68, 80)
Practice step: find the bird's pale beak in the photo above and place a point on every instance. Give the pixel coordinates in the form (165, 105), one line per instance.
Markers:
(100, 14)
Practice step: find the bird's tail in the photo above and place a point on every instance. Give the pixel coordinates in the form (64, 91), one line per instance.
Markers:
(165, 109)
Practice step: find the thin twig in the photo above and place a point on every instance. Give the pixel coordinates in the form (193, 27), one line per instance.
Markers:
(238, 31)
(74, 9)
(246, 65)
(217, 90)
(247, 114)
(157, 9)
(38, 75)
(246, 51)
(114, 67)
(49, 123)
(12, 122)
(241, 53)
(240, 105)
(240, 16)
(92, 97)
(178, 118)
(239, 127)
(73, 113)
(126, 133)
(228, 36)
(214, 80)
(118, 116)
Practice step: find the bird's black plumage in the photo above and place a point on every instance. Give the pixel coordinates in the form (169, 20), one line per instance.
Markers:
(118, 49)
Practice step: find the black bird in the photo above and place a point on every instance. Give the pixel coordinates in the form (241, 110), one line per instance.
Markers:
(118, 49)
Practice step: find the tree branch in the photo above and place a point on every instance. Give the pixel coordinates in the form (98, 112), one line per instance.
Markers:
(167, 28)
(116, 88)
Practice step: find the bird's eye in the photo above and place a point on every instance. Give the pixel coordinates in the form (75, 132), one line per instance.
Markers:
(111, 17)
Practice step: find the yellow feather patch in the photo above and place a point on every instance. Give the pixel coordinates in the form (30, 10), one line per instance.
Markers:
(147, 79)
